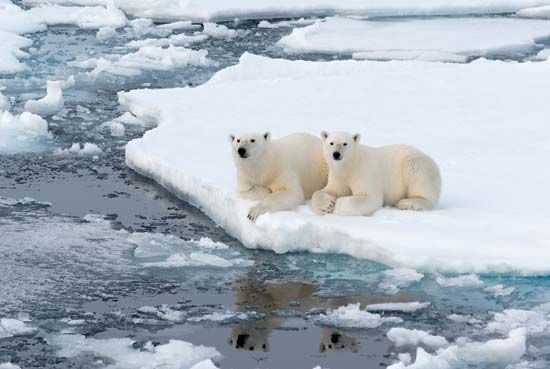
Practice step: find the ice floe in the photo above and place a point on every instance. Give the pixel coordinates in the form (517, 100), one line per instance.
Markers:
(122, 354)
(467, 280)
(536, 322)
(541, 12)
(465, 115)
(9, 366)
(49, 104)
(457, 318)
(414, 337)
(228, 10)
(404, 307)
(22, 133)
(14, 327)
(164, 312)
(351, 316)
(145, 58)
(436, 39)
(500, 290)
(392, 280)
(86, 149)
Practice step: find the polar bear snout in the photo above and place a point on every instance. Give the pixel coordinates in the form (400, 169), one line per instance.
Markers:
(242, 152)
(336, 155)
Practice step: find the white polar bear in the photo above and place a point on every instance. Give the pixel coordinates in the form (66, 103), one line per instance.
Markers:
(362, 179)
(280, 173)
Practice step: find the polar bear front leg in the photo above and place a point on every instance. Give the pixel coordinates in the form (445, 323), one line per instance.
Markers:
(323, 203)
(255, 193)
(287, 194)
(357, 205)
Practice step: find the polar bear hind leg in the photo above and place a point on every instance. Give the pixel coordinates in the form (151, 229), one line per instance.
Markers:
(423, 183)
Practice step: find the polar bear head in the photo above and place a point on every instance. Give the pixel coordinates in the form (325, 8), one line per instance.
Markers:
(339, 147)
(249, 145)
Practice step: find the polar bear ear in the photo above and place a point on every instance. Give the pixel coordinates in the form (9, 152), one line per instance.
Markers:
(267, 136)
(356, 137)
(231, 137)
(324, 135)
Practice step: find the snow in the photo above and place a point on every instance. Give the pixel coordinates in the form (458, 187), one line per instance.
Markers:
(89, 17)
(13, 327)
(404, 307)
(414, 337)
(438, 39)
(541, 12)
(145, 58)
(496, 352)
(50, 104)
(174, 354)
(284, 24)
(468, 280)
(228, 10)
(22, 133)
(351, 316)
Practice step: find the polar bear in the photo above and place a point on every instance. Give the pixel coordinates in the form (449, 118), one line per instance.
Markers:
(281, 173)
(362, 179)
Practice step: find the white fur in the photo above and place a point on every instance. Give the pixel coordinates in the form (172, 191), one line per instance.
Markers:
(367, 178)
(281, 173)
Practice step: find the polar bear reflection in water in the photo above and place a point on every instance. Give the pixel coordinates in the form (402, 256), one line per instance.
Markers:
(298, 297)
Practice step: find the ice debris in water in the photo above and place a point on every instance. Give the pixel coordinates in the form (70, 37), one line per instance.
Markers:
(145, 58)
(404, 307)
(467, 280)
(414, 337)
(164, 312)
(106, 33)
(14, 327)
(9, 366)
(290, 23)
(220, 317)
(220, 31)
(351, 316)
(22, 133)
(50, 104)
(175, 40)
(88, 149)
(536, 322)
(500, 291)
(463, 353)
(174, 252)
(395, 279)
(463, 319)
(8, 201)
(123, 355)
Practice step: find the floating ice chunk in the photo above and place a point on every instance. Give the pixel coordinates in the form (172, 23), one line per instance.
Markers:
(206, 364)
(106, 33)
(404, 307)
(543, 55)
(220, 31)
(496, 352)
(541, 12)
(468, 280)
(180, 25)
(208, 243)
(291, 23)
(117, 129)
(140, 27)
(440, 39)
(122, 354)
(463, 319)
(50, 104)
(395, 279)
(88, 149)
(9, 366)
(198, 259)
(351, 316)
(474, 101)
(414, 337)
(4, 102)
(175, 40)
(220, 317)
(14, 327)
(22, 133)
(500, 291)
(146, 58)
(91, 17)
(164, 312)
(536, 321)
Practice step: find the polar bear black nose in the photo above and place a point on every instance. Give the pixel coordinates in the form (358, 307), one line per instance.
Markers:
(336, 155)
(241, 151)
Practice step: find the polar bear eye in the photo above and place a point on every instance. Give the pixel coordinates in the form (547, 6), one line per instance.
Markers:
(332, 144)
(345, 144)
(238, 140)
(253, 140)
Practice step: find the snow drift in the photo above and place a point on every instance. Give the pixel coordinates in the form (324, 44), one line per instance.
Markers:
(485, 123)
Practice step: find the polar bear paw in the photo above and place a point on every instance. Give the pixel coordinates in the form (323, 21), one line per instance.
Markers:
(323, 203)
(256, 211)
(416, 204)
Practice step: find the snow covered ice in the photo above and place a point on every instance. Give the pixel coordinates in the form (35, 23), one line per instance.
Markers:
(436, 39)
(460, 124)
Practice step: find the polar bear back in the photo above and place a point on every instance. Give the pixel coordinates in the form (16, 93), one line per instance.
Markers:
(302, 154)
